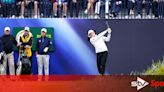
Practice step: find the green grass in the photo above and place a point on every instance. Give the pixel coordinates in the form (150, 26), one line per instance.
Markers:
(157, 68)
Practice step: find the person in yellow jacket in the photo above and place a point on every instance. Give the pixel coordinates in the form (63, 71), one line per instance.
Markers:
(25, 42)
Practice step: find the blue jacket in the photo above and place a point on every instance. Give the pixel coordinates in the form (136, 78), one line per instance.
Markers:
(40, 45)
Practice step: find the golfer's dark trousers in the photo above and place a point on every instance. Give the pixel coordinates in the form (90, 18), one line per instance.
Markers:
(101, 61)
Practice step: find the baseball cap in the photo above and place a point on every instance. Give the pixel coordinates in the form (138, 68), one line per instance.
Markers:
(89, 32)
(44, 30)
(7, 29)
(27, 29)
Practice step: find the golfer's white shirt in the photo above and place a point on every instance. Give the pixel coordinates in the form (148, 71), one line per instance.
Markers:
(99, 41)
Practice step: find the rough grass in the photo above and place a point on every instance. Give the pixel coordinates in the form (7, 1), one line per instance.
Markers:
(157, 68)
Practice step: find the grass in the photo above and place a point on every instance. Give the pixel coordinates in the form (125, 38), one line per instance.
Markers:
(157, 68)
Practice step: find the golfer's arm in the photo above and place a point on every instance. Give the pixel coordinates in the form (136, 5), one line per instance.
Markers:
(50, 43)
(107, 39)
(102, 34)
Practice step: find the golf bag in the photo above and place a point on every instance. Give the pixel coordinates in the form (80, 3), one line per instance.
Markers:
(23, 64)
(2, 68)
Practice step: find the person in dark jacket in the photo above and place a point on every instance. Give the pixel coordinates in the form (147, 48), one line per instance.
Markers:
(8, 42)
(43, 44)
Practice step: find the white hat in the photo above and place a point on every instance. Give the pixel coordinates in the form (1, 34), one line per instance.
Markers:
(90, 31)
(44, 30)
(27, 29)
(7, 29)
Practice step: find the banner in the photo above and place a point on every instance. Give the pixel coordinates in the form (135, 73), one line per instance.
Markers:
(36, 33)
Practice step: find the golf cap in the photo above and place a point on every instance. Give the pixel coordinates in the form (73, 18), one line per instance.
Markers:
(27, 29)
(7, 29)
(44, 30)
(89, 32)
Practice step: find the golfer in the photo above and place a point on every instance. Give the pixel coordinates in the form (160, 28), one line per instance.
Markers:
(98, 41)
(43, 44)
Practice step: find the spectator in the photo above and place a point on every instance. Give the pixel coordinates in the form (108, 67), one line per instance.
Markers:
(45, 8)
(58, 4)
(155, 8)
(147, 7)
(74, 6)
(0, 9)
(29, 4)
(17, 8)
(160, 8)
(116, 8)
(89, 9)
(131, 4)
(98, 5)
(8, 7)
(9, 41)
(139, 8)
(43, 45)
